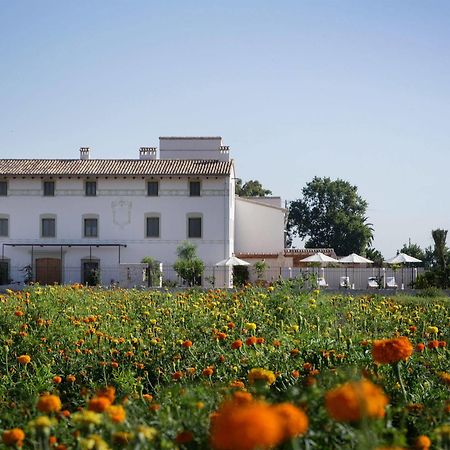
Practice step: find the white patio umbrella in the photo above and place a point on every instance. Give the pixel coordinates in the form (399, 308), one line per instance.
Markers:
(319, 257)
(231, 261)
(402, 258)
(354, 259)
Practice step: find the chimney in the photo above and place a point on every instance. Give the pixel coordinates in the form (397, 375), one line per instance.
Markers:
(147, 153)
(84, 152)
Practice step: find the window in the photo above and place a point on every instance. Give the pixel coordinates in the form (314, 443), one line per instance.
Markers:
(152, 188)
(49, 188)
(194, 227)
(4, 227)
(90, 227)
(4, 272)
(90, 188)
(194, 188)
(3, 188)
(152, 227)
(48, 227)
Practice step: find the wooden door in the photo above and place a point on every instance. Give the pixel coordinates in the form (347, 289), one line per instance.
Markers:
(48, 270)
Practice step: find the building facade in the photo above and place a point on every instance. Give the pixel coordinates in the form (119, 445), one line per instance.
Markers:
(61, 220)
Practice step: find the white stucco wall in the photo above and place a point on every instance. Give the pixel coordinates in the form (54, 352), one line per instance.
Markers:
(259, 228)
(121, 205)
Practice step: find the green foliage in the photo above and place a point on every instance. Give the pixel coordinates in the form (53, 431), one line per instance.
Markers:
(260, 268)
(132, 340)
(153, 273)
(252, 188)
(331, 214)
(431, 292)
(188, 265)
(375, 256)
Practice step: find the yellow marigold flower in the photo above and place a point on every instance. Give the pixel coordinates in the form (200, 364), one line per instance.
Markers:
(122, 438)
(23, 359)
(146, 433)
(42, 422)
(93, 442)
(259, 374)
(87, 418)
(388, 351)
(422, 443)
(237, 426)
(14, 436)
(354, 400)
(294, 420)
(433, 330)
(445, 377)
(48, 403)
(116, 413)
(250, 326)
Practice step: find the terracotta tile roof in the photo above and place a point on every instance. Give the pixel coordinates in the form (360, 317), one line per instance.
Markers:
(67, 167)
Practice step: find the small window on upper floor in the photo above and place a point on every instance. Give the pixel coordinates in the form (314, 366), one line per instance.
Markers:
(49, 188)
(194, 227)
(3, 188)
(48, 227)
(90, 227)
(4, 228)
(194, 188)
(152, 188)
(90, 188)
(152, 227)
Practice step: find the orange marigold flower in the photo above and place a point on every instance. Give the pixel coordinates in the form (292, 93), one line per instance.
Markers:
(388, 351)
(294, 420)
(221, 336)
(207, 372)
(191, 370)
(295, 373)
(442, 344)
(294, 352)
(99, 404)
(355, 400)
(116, 413)
(413, 328)
(184, 437)
(57, 379)
(420, 347)
(237, 384)
(23, 359)
(260, 340)
(71, 378)
(276, 343)
(108, 392)
(148, 397)
(187, 344)
(236, 344)
(48, 403)
(177, 375)
(251, 340)
(237, 426)
(422, 443)
(433, 344)
(242, 397)
(52, 440)
(19, 313)
(231, 325)
(13, 437)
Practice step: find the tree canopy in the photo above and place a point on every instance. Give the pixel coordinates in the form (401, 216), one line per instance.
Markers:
(331, 214)
(252, 188)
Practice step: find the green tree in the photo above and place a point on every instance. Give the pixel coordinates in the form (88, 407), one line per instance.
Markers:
(188, 265)
(152, 271)
(252, 188)
(441, 254)
(331, 214)
(375, 256)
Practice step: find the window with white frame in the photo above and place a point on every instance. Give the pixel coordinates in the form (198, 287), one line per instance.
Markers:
(152, 226)
(90, 227)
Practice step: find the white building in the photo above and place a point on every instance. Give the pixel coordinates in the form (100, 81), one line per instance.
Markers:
(61, 218)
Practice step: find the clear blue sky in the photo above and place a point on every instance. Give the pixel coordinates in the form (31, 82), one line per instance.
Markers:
(353, 89)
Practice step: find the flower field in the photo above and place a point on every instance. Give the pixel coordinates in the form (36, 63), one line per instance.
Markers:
(276, 367)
